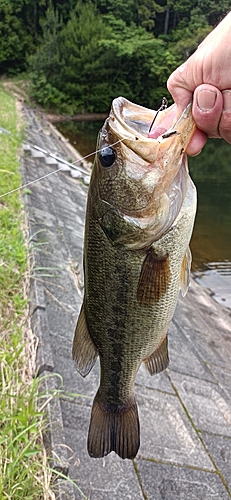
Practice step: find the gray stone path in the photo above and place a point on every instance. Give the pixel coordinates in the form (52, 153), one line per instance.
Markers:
(185, 412)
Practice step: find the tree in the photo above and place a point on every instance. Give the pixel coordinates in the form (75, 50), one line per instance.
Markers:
(190, 31)
(106, 48)
(15, 39)
(147, 12)
(119, 9)
(83, 71)
(45, 65)
(64, 8)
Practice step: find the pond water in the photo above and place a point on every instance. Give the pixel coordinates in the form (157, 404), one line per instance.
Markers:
(211, 173)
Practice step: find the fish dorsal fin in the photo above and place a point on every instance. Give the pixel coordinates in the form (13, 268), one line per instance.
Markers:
(113, 428)
(158, 360)
(185, 272)
(154, 278)
(84, 352)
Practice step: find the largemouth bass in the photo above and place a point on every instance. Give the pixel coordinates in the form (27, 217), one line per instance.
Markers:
(139, 220)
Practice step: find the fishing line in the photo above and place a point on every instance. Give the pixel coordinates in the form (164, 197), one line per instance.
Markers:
(56, 171)
(98, 150)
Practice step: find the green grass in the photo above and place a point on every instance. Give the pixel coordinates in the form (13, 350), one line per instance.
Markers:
(24, 468)
(22, 462)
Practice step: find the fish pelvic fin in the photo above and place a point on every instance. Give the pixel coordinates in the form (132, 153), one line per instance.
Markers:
(84, 352)
(114, 428)
(154, 278)
(185, 272)
(158, 360)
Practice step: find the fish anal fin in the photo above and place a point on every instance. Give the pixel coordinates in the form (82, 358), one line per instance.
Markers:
(114, 428)
(154, 278)
(185, 272)
(158, 360)
(84, 352)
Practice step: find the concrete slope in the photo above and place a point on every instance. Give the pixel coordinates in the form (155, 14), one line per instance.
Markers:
(185, 412)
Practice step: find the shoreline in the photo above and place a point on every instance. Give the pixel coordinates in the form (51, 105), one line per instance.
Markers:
(80, 117)
(23, 98)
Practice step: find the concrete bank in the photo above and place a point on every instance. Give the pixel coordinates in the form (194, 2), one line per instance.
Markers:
(185, 412)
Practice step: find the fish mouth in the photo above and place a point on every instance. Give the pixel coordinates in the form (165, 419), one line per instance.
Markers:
(132, 118)
(149, 179)
(158, 172)
(131, 124)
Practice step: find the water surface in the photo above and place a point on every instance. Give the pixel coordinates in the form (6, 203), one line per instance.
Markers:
(211, 173)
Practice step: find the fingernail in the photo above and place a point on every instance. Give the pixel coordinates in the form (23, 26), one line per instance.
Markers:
(206, 100)
(226, 100)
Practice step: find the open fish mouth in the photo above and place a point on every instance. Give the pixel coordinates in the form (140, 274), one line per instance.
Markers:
(131, 123)
(148, 177)
(134, 119)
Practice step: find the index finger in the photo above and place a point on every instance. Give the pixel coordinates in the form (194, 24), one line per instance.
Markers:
(180, 90)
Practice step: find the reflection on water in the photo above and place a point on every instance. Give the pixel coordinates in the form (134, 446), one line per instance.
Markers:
(82, 135)
(211, 172)
(211, 241)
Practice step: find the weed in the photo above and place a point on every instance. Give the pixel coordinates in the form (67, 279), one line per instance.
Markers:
(24, 471)
(22, 459)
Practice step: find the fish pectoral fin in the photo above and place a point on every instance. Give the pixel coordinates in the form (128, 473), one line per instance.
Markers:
(185, 272)
(114, 428)
(154, 278)
(158, 360)
(84, 352)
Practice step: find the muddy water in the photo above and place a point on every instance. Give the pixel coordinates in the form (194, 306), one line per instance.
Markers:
(211, 172)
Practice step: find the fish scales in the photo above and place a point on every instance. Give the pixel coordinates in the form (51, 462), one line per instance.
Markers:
(133, 272)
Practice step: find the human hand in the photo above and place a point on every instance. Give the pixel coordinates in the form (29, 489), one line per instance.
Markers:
(206, 78)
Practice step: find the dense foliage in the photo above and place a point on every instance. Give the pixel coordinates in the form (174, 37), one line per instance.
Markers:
(82, 53)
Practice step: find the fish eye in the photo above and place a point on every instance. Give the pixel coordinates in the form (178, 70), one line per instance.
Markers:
(107, 157)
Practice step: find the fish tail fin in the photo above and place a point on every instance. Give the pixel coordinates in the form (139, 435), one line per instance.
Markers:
(114, 428)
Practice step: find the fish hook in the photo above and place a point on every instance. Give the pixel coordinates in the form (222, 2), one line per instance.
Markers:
(163, 106)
